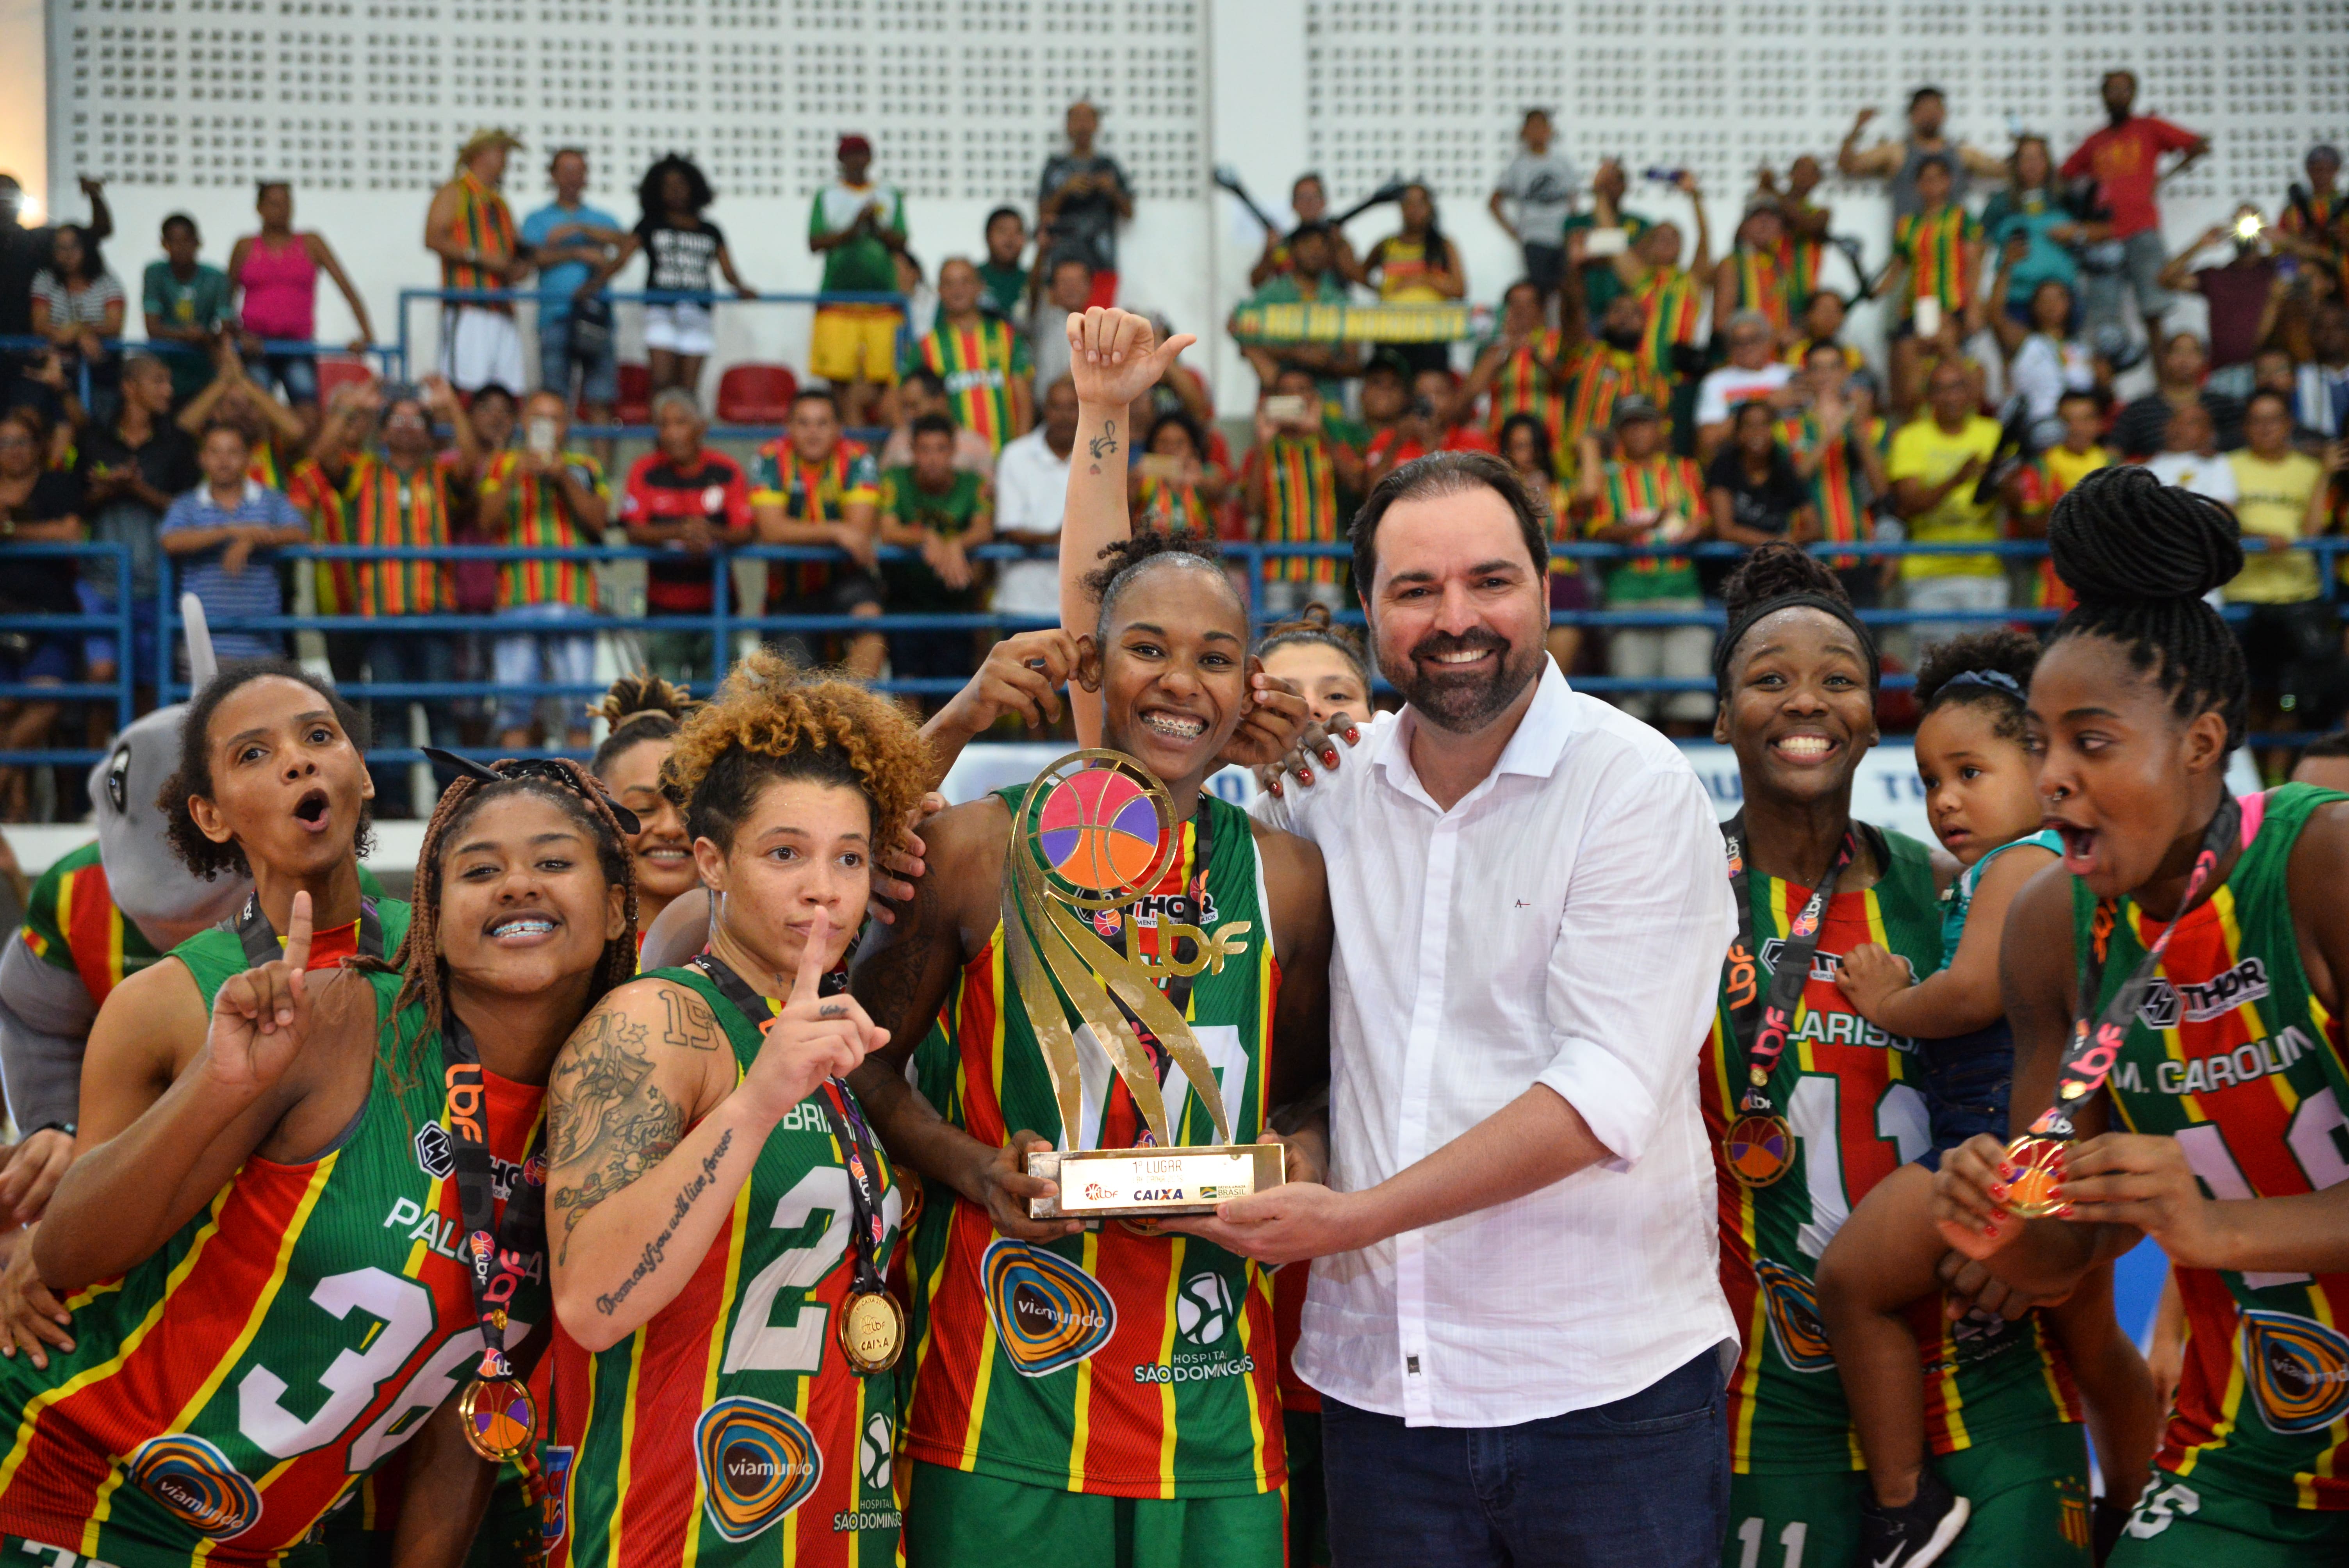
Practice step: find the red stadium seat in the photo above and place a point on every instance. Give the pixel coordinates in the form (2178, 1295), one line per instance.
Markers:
(335, 372)
(635, 404)
(756, 394)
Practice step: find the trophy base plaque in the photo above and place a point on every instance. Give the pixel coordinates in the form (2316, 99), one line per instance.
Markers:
(1137, 1183)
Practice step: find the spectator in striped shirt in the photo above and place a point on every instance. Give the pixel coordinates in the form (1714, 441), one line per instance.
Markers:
(224, 535)
(545, 496)
(980, 356)
(1292, 479)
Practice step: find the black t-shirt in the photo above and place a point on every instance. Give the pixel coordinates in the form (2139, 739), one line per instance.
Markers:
(23, 253)
(1769, 503)
(45, 585)
(167, 461)
(677, 258)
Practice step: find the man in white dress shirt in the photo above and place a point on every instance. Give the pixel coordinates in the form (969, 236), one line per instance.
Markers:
(1515, 1314)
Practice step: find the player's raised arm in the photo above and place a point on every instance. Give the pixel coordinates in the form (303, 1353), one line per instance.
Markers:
(1113, 359)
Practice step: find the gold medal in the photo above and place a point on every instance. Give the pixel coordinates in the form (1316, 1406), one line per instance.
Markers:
(501, 1422)
(2039, 1169)
(872, 1330)
(1758, 1148)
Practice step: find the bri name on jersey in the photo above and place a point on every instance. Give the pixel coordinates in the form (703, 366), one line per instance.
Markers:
(2223, 1069)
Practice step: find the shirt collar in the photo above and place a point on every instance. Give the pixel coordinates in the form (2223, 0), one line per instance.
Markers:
(1535, 751)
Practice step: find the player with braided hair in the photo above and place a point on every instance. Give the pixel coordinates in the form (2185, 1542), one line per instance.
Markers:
(289, 1234)
(721, 1214)
(2180, 973)
(1980, 776)
(644, 712)
(1812, 1106)
(1058, 1455)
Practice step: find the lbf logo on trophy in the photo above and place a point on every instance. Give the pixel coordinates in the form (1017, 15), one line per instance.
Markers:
(1093, 836)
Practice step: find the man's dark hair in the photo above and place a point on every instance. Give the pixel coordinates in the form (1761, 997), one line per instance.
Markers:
(1012, 212)
(496, 389)
(2268, 393)
(822, 394)
(1066, 259)
(1927, 91)
(1442, 474)
(2097, 397)
(1940, 161)
(179, 221)
(928, 380)
(933, 424)
(1317, 229)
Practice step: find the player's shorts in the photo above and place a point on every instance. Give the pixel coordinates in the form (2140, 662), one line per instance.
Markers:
(956, 1518)
(2177, 1525)
(855, 342)
(680, 329)
(2029, 1493)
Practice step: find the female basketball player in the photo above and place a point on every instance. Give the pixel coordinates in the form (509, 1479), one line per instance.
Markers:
(1981, 790)
(271, 781)
(293, 1222)
(644, 712)
(2200, 942)
(707, 1159)
(1812, 1106)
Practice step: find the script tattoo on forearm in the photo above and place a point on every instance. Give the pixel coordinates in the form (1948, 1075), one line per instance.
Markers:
(1105, 443)
(656, 1248)
(608, 1123)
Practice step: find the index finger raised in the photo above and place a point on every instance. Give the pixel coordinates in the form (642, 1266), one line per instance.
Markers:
(297, 933)
(808, 983)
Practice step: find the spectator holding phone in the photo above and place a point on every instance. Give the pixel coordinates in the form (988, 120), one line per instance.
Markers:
(1292, 479)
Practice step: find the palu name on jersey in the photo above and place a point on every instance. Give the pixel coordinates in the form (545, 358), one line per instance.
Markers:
(2221, 1069)
(441, 1233)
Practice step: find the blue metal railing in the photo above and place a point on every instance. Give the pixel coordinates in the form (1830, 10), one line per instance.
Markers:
(726, 621)
(391, 356)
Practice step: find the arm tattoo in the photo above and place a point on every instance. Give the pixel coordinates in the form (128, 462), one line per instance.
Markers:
(691, 1025)
(610, 1122)
(658, 1248)
(1105, 443)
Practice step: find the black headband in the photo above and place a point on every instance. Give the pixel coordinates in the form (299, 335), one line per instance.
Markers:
(1840, 608)
(532, 767)
(1991, 680)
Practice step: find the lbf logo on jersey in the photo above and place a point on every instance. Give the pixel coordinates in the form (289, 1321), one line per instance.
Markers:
(195, 1481)
(1048, 1312)
(2298, 1368)
(1794, 1325)
(758, 1463)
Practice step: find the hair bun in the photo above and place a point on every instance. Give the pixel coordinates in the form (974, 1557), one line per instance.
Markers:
(1773, 571)
(2121, 535)
(636, 695)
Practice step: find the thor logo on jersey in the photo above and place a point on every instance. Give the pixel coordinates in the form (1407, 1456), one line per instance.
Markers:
(2202, 1001)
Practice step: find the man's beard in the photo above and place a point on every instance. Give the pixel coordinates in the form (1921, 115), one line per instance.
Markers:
(1464, 704)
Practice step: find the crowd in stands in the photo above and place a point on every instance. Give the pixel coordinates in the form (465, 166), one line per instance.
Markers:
(1662, 395)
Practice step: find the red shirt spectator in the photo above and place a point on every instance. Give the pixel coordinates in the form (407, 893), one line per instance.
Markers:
(2123, 157)
(667, 494)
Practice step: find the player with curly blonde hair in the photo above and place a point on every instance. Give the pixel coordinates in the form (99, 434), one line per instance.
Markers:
(707, 1157)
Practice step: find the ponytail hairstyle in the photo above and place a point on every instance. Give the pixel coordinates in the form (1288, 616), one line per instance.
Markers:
(773, 721)
(1313, 628)
(638, 708)
(424, 974)
(2138, 555)
(1990, 670)
(1782, 576)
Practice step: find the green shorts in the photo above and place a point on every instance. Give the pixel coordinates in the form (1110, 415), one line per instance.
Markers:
(2178, 1522)
(2029, 1493)
(955, 1518)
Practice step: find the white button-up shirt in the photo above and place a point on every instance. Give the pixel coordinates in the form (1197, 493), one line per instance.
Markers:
(1564, 924)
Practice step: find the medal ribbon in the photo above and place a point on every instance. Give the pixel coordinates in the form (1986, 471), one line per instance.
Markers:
(1761, 1024)
(259, 938)
(868, 1229)
(503, 1259)
(2089, 1057)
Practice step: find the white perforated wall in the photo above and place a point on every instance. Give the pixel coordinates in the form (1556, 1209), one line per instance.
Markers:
(184, 103)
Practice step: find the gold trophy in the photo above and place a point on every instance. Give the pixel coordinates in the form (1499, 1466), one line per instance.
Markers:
(1095, 834)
